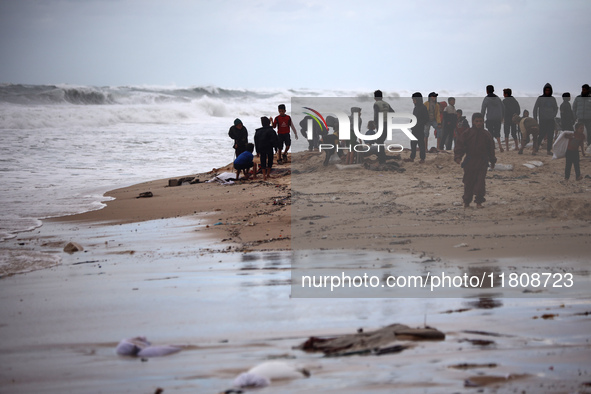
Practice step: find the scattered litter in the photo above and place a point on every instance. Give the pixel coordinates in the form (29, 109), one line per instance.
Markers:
(376, 342)
(226, 178)
(473, 365)
(180, 181)
(529, 165)
(536, 163)
(401, 242)
(349, 166)
(140, 347)
(462, 245)
(145, 195)
(73, 247)
(560, 145)
(263, 374)
(503, 167)
(484, 380)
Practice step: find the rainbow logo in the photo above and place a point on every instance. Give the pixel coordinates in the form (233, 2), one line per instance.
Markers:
(321, 122)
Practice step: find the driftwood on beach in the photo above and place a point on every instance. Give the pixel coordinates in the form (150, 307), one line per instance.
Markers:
(378, 342)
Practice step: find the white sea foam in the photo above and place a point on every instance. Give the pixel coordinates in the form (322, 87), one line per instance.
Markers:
(63, 146)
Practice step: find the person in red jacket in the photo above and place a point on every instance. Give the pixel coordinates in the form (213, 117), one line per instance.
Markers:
(283, 123)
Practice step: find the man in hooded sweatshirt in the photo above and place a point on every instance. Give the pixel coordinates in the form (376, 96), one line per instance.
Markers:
(582, 110)
(545, 110)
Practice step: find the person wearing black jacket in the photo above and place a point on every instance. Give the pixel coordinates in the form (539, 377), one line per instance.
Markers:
(422, 114)
(239, 134)
(511, 108)
(266, 141)
(545, 110)
(567, 116)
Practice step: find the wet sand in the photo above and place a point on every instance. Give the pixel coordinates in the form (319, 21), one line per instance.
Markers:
(162, 268)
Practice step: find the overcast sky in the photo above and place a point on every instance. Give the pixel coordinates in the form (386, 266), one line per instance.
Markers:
(454, 45)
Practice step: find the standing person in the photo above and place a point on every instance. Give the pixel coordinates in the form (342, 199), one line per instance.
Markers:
(582, 110)
(380, 106)
(265, 141)
(420, 112)
(283, 123)
(493, 109)
(352, 141)
(330, 139)
(511, 108)
(575, 141)
(478, 146)
(240, 136)
(461, 125)
(545, 110)
(244, 162)
(567, 117)
(316, 132)
(450, 119)
(439, 133)
(434, 117)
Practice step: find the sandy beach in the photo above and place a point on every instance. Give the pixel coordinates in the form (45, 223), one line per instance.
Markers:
(206, 266)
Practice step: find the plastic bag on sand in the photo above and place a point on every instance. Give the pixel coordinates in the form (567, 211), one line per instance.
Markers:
(560, 145)
(503, 167)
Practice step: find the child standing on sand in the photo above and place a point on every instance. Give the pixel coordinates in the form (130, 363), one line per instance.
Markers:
(575, 141)
(283, 123)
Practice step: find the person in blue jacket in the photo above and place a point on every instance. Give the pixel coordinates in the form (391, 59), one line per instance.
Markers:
(244, 161)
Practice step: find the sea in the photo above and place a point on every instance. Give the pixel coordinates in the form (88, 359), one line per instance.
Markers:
(63, 146)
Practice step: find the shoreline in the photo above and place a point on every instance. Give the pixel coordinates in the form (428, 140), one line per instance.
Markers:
(161, 267)
(529, 213)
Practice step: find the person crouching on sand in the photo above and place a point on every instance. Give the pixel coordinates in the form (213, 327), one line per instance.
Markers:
(529, 127)
(244, 161)
(479, 147)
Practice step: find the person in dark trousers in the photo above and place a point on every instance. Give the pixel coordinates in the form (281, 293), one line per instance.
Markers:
(380, 106)
(575, 141)
(567, 117)
(265, 141)
(240, 136)
(511, 108)
(422, 115)
(478, 146)
(283, 123)
(450, 119)
(493, 109)
(545, 110)
(582, 110)
(316, 132)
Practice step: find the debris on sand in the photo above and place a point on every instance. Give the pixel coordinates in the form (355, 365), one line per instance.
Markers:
(140, 347)
(376, 342)
(73, 247)
(263, 374)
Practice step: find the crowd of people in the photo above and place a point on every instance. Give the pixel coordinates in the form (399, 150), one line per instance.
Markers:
(473, 146)
(267, 142)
